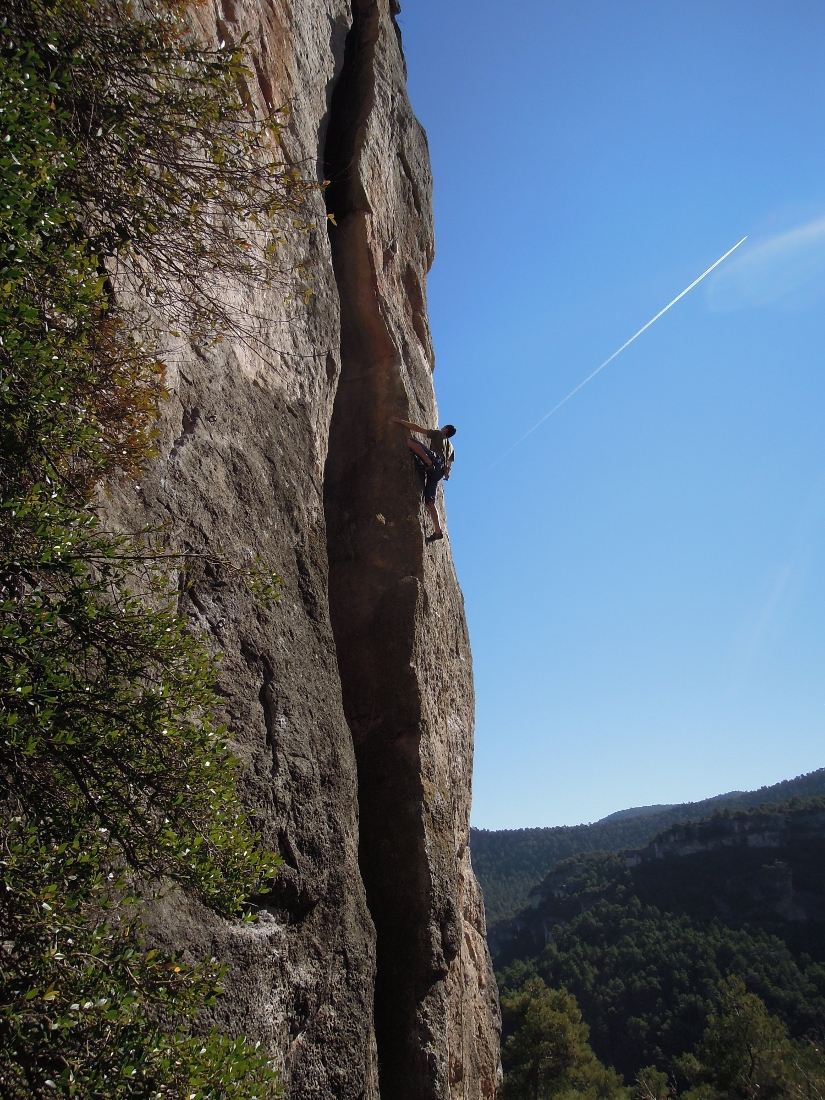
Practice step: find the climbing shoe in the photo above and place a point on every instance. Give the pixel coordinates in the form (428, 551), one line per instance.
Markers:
(435, 537)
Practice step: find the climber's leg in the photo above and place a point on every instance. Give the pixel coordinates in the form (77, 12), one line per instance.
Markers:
(420, 451)
(430, 490)
(434, 471)
(437, 533)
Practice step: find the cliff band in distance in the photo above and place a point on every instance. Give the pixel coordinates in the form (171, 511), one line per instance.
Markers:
(351, 700)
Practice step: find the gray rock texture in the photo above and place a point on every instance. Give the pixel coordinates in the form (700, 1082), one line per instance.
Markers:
(351, 700)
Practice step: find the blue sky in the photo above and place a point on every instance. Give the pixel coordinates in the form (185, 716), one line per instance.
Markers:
(644, 575)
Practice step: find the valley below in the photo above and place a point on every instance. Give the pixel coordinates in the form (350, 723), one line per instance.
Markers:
(645, 915)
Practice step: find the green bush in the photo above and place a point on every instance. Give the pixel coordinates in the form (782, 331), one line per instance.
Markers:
(134, 176)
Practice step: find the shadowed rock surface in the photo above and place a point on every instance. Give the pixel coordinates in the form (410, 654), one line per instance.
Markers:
(367, 972)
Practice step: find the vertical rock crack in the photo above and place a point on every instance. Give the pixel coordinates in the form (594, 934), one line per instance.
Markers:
(375, 571)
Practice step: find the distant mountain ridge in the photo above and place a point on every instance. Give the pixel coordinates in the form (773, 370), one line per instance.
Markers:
(509, 862)
(639, 811)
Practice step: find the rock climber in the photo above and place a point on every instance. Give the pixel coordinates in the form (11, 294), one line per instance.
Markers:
(437, 464)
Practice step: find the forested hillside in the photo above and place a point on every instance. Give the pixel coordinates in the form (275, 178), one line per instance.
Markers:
(509, 862)
(644, 939)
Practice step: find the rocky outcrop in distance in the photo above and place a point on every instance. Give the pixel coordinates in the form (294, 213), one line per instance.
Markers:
(766, 828)
(761, 869)
(510, 862)
(351, 700)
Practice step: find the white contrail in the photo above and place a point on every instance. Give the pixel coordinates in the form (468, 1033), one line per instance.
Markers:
(590, 377)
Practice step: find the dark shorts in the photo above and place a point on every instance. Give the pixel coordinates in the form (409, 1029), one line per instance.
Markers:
(432, 475)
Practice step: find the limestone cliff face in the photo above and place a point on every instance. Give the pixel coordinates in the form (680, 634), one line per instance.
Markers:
(367, 973)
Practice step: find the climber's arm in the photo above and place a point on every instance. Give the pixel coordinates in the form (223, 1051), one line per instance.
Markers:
(411, 427)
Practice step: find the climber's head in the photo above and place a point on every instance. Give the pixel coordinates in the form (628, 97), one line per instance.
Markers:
(448, 430)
